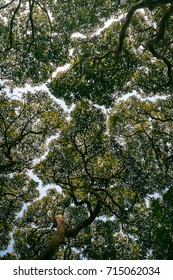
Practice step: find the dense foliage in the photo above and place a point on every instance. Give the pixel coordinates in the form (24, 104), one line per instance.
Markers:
(108, 161)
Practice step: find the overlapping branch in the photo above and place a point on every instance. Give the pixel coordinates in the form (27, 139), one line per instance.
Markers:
(158, 36)
(63, 232)
(30, 19)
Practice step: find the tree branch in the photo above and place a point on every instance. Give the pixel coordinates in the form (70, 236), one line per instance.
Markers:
(158, 37)
(57, 240)
(12, 24)
(6, 5)
(74, 232)
(31, 7)
(62, 232)
(140, 5)
(126, 24)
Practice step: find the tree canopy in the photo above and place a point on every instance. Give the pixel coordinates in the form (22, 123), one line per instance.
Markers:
(108, 160)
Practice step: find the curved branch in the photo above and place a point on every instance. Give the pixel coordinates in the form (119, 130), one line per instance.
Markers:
(74, 232)
(157, 118)
(46, 12)
(158, 37)
(126, 24)
(62, 232)
(12, 24)
(57, 240)
(140, 5)
(7, 4)
(81, 202)
(31, 7)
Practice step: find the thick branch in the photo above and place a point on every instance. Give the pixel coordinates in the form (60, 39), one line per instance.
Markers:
(159, 36)
(57, 240)
(6, 5)
(140, 5)
(74, 232)
(12, 25)
(31, 7)
(61, 233)
(81, 202)
(126, 24)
